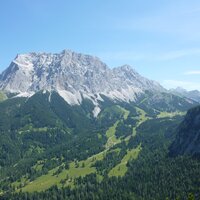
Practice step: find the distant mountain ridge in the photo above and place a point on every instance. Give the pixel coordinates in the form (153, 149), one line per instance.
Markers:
(193, 94)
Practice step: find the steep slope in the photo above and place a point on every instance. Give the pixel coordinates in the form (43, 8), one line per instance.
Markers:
(162, 101)
(77, 77)
(74, 76)
(188, 135)
(67, 118)
(32, 127)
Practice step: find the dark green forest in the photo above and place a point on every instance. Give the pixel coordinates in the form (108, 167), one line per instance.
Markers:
(41, 138)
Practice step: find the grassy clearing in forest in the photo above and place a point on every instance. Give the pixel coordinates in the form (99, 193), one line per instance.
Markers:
(84, 167)
(121, 168)
(76, 169)
(170, 114)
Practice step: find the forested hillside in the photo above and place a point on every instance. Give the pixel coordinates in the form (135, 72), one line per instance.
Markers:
(187, 141)
(51, 150)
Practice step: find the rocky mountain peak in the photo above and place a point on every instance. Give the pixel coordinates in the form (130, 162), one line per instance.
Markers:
(74, 76)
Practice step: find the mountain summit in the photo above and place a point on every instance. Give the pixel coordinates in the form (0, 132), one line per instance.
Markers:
(74, 76)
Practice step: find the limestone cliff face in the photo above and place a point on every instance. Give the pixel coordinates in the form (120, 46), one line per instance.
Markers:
(74, 76)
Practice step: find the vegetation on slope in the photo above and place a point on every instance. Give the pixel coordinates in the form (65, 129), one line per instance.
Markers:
(62, 151)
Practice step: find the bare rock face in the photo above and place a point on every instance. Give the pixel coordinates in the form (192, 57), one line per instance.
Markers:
(74, 76)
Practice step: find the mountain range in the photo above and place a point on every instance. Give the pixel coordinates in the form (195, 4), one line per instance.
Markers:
(80, 75)
(73, 128)
(75, 77)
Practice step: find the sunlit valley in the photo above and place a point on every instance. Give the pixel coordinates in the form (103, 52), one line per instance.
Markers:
(115, 116)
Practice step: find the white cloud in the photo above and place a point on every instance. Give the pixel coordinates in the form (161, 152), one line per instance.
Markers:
(188, 85)
(192, 72)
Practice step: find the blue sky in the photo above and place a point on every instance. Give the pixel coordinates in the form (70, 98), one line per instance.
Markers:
(159, 38)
